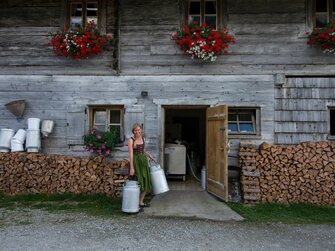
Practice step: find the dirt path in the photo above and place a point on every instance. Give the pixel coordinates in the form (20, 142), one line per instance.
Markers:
(28, 229)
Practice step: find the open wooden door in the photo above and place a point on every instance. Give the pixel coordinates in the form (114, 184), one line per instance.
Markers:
(217, 151)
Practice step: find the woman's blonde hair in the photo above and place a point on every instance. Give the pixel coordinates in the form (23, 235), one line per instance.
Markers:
(133, 129)
(135, 126)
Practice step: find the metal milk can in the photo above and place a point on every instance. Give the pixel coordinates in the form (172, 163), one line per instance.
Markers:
(158, 179)
(131, 197)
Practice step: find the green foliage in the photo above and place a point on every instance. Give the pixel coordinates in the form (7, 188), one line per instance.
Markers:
(101, 142)
(295, 213)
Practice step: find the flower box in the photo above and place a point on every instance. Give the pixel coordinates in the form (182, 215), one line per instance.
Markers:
(324, 37)
(80, 43)
(202, 41)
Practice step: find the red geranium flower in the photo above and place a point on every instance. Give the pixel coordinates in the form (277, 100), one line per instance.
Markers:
(81, 43)
(202, 41)
(324, 37)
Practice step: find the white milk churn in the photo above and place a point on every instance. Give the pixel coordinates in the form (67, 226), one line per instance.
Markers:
(203, 178)
(33, 123)
(158, 179)
(5, 137)
(131, 197)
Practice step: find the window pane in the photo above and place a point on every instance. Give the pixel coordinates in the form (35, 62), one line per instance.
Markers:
(321, 19)
(118, 129)
(92, 12)
(100, 117)
(211, 21)
(232, 117)
(245, 117)
(232, 127)
(210, 7)
(76, 15)
(115, 117)
(194, 8)
(194, 19)
(99, 127)
(332, 122)
(246, 127)
(114, 127)
(321, 13)
(321, 5)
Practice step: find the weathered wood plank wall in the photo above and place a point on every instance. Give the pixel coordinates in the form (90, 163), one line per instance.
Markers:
(49, 96)
(302, 112)
(270, 37)
(24, 49)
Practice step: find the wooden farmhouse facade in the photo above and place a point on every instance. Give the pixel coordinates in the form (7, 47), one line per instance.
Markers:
(277, 88)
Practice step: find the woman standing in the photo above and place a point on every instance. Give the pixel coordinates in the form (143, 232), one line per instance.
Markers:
(139, 162)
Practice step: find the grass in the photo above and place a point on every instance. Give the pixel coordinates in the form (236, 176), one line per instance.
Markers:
(291, 214)
(95, 205)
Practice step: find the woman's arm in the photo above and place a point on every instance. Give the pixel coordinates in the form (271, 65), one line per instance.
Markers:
(148, 155)
(131, 157)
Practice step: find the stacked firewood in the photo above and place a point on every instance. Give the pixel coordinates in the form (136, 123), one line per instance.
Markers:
(22, 173)
(120, 175)
(303, 173)
(250, 173)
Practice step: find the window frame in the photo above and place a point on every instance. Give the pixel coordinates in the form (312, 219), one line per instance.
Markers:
(101, 15)
(107, 108)
(219, 4)
(256, 120)
(329, 12)
(331, 128)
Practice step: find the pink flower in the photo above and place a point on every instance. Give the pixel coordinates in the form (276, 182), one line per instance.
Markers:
(98, 136)
(91, 151)
(91, 144)
(108, 152)
(99, 152)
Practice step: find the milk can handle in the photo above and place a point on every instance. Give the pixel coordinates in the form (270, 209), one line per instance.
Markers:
(151, 160)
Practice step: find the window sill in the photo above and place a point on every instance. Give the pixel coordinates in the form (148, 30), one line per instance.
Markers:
(244, 136)
(331, 137)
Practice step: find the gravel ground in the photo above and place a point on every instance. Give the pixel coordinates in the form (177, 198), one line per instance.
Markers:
(32, 229)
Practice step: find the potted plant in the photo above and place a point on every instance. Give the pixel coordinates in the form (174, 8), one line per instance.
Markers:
(202, 41)
(80, 43)
(101, 142)
(324, 37)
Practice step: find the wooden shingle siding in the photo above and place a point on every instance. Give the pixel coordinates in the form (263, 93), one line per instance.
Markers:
(301, 106)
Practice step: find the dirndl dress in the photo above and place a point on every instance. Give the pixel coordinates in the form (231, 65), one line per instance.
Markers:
(141, 167)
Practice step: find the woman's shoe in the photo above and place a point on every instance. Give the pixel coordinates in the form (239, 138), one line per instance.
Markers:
(144, 205)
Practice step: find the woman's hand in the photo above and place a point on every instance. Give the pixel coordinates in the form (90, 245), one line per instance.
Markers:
(131, 172)
(152, 158)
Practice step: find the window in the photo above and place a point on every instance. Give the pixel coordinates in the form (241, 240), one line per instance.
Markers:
(323, 12)
(243, 121)
(332, 121)
(203, 11)
(81, 12)
(106, 118)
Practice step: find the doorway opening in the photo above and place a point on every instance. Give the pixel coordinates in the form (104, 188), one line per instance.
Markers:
(184, 146)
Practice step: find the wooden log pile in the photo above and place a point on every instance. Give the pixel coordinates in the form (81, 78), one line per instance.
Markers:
(303, 173)
(22, 173)
(250, 173)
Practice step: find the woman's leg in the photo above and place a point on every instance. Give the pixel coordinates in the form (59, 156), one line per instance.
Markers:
(142, 195)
